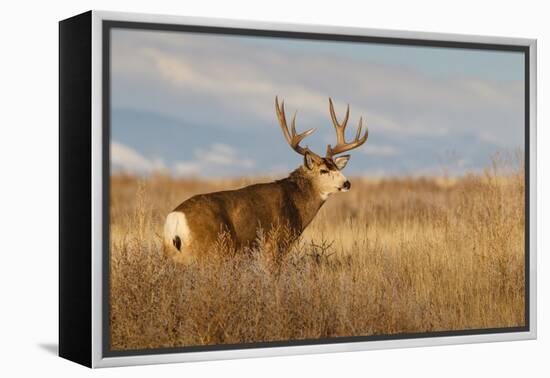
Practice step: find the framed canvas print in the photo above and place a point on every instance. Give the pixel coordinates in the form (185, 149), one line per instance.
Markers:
(237, 189)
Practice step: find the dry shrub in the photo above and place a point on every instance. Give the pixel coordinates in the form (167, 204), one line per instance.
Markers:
(390, 256)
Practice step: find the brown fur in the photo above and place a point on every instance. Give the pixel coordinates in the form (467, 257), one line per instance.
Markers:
(291, 202)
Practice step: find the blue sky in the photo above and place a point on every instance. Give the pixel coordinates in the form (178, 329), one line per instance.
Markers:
(192, 104)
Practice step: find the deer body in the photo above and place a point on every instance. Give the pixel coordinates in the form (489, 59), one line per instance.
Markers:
(292, 201)
(195, 225)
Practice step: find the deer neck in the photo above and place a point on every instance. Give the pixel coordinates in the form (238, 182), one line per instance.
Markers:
(304, 196)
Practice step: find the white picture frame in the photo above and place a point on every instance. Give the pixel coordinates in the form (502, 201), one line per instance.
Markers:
(87, 279)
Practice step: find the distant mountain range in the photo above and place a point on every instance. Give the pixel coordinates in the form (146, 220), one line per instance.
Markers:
(174, 141)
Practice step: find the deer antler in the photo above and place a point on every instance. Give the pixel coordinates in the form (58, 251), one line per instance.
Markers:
(293, 139)
(341, 145)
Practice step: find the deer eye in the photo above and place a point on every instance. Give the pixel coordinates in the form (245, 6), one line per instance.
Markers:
(323, 171)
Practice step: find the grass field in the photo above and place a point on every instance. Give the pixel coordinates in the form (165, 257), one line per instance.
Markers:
(390, 256)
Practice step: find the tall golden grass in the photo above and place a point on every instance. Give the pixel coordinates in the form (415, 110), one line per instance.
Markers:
(391, 256)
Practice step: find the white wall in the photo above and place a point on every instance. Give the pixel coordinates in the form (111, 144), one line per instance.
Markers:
(28, 204)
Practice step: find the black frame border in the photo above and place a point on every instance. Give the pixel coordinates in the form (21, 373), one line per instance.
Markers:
(109, 25)
(75, 188)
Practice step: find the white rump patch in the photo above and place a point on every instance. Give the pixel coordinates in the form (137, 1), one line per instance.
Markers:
(176, 226)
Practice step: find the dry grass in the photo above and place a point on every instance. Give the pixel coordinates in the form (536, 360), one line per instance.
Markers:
(390, 256)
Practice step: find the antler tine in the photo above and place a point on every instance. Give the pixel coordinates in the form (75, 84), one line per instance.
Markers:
(359, 129)
(340, 128)
(282, 119)
(292, 137)
(341, 145)
(298, 137)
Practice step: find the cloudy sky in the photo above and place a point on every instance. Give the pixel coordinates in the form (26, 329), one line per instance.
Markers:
(192, 104)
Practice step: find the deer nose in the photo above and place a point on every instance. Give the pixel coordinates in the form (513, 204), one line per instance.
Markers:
(347, 185)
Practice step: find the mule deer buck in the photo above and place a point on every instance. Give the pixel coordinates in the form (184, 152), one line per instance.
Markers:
(195, 225)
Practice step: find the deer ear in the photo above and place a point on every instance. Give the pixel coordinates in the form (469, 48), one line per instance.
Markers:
(341, 161)
(308, 160)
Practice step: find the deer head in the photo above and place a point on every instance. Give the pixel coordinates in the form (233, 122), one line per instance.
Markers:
(324, 172)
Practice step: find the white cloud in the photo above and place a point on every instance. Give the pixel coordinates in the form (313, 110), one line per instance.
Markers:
(192, 80)
(218, 159)
(186, 168)
(379, 150)
(127, 160)
(253, 86)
